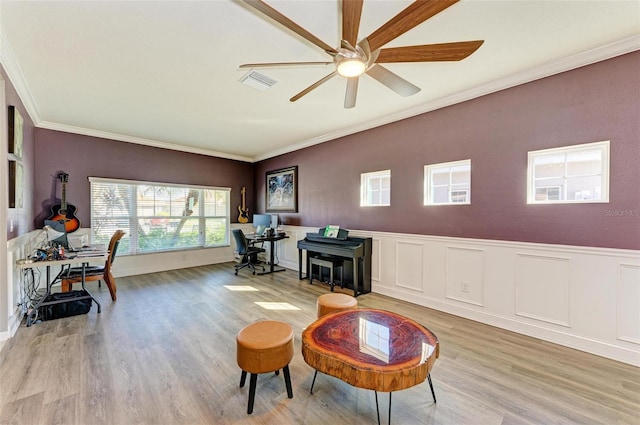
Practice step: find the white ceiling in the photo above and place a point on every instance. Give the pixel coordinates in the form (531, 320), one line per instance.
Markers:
(165, 73)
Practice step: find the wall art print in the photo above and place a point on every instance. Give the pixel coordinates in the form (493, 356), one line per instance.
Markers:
(282, 190)
(15, 132)
(15, 184)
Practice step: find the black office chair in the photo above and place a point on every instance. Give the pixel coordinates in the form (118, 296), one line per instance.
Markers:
(248, 251)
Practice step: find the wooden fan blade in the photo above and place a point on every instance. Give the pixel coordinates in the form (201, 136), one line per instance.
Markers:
(272, 13)
(429, 52)
(351, 12)
(281, 64)
(393, 81)
(415, 14)
(313, 86)
(352, 92)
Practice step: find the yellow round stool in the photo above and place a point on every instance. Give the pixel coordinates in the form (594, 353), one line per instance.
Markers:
(262, 347)
(331, 303)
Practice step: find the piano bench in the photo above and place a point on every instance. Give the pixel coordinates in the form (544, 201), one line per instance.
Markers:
(330, 262)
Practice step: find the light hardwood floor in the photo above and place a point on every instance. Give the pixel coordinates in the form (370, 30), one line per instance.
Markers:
(164, 353)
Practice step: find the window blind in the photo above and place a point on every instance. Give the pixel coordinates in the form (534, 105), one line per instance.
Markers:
(159, 216)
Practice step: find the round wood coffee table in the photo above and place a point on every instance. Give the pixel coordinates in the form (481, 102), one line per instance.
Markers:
(372, 349)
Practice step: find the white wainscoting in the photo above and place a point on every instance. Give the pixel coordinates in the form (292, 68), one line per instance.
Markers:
(581, 297)
(409, 265)
(18, 248)
(465, 275)
(628, 317)
(542, 288)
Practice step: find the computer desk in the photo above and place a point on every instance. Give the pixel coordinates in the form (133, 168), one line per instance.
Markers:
(67, 262)
(272, 243)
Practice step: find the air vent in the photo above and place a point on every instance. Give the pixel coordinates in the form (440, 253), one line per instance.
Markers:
(257, 81)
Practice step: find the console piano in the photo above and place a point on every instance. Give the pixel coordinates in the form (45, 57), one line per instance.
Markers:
(356, 272)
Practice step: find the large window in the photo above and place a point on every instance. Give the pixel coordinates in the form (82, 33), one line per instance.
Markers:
(447, 183)
(569, 174)
(375, 189)
(159, 216)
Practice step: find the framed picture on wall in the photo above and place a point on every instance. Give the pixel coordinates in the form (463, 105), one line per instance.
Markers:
(15, 184)
(15, 132)
(282, 190)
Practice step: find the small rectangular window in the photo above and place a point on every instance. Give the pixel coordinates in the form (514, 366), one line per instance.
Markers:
(447, 183)
(571, 174)
(375, 189)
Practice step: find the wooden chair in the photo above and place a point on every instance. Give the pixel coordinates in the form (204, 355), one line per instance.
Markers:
(98, 273)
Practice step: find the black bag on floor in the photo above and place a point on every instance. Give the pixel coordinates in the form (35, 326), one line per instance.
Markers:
(68, 306)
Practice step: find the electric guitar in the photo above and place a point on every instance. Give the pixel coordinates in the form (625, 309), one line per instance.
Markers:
(243, 217)
(63, 211)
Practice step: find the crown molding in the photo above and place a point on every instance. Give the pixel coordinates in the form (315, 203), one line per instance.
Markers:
(139, 140)
(588, 57)
(14, 72)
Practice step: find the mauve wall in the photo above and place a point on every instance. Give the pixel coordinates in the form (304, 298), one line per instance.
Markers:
(590, 104)
(84, 156)
(22, 217)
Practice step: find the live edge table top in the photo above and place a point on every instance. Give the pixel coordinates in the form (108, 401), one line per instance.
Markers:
(372, 349)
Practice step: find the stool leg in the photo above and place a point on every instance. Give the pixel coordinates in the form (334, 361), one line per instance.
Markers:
(433, 393)
(243, 378)
(277, 372)
(389, 408)
(377, 409)
(252, 392)
(313, 382)
(287, 381)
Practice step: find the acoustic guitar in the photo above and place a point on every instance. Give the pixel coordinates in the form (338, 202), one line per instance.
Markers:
(63, 211)
(243, 217)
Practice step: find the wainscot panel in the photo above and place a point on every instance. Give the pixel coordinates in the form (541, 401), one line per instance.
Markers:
(581, 297)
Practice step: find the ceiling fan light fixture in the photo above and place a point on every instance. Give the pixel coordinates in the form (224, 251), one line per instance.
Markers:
(353, 58)
(351, 67)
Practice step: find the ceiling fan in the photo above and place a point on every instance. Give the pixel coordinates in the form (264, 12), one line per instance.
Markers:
(354, 58)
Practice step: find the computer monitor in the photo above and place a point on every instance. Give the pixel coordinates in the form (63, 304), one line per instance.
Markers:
(56, 233)
(261, 222)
